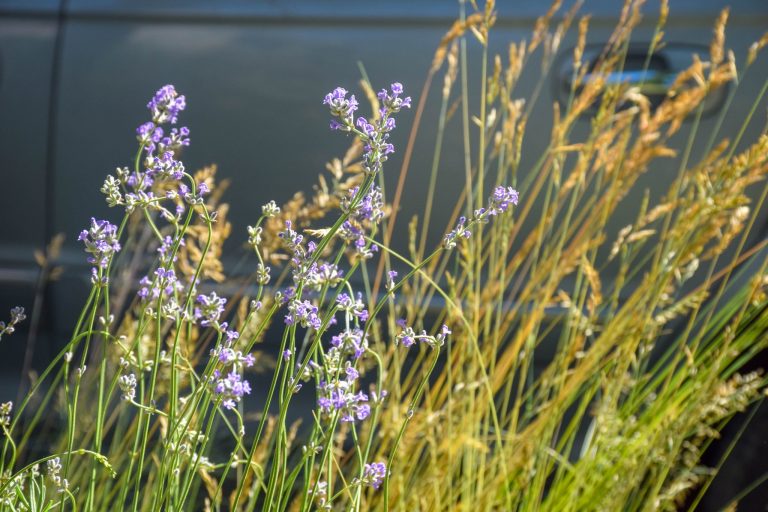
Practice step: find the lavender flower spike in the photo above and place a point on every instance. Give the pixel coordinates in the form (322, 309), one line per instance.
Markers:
(341, 107)
(166, 104)
(101, 242)
(501, 198)
(374, 474)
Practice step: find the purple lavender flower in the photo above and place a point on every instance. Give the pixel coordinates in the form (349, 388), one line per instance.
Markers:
(229, 356)
(391, 275)
(304, 313)
(459, 232)
(373, 132)
(324, 274)
(176, 138)
(165, 249)
(374, 474)
(231, 388)
(337, 396)
(368, 211)
(351, 342)
(101, 242)
(367, 128)
(501, 198)
(408, 337)
(352, 306)
(209, 308)
(165, 167)
(393, 103)
(341, 107)
(165, 283)
(370, 208)
(166, 105)
(149, 134)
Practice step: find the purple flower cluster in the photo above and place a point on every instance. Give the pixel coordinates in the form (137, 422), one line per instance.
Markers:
(374, 474)
(164, 283)
(354, 307)
(101, 242)
(367, 212)
(341, 107)
(231, 388)
(499, 202)
(373, 132)
(459, 232)
(165, 250)
(164, 167)
(408, 337)
(133, 189)
(208, 309)
(393, 103)
(228, 382)
(350, 342)
(300, 254)
(324, 274)
(338, 396)
(166, 104)
(337, 392)
(154, 140)
(303, 313)
(501, 198)
(370, 208)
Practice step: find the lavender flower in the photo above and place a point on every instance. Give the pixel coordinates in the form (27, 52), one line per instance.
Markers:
(324, 274)
(341, 107)
(500, 200)
(231, 388)
(166, 105)
(127, 385)
(166, 247)
(209, 308)
(370, 208)
(177, 138)
(352, 306)
(165, 283)
(338, 396)
(229, 356)
(373, 132)
(149, 135)
(391, 275)
(6, 409)
(350, 341)
(461, 231)
(160, 163)
(374, 474)
(101, 242)
(393, 103)
(270, 209)
(304, 313)
(408, 337)
(165, 167)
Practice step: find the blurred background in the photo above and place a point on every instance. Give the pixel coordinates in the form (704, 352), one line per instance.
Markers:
(75, 76)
